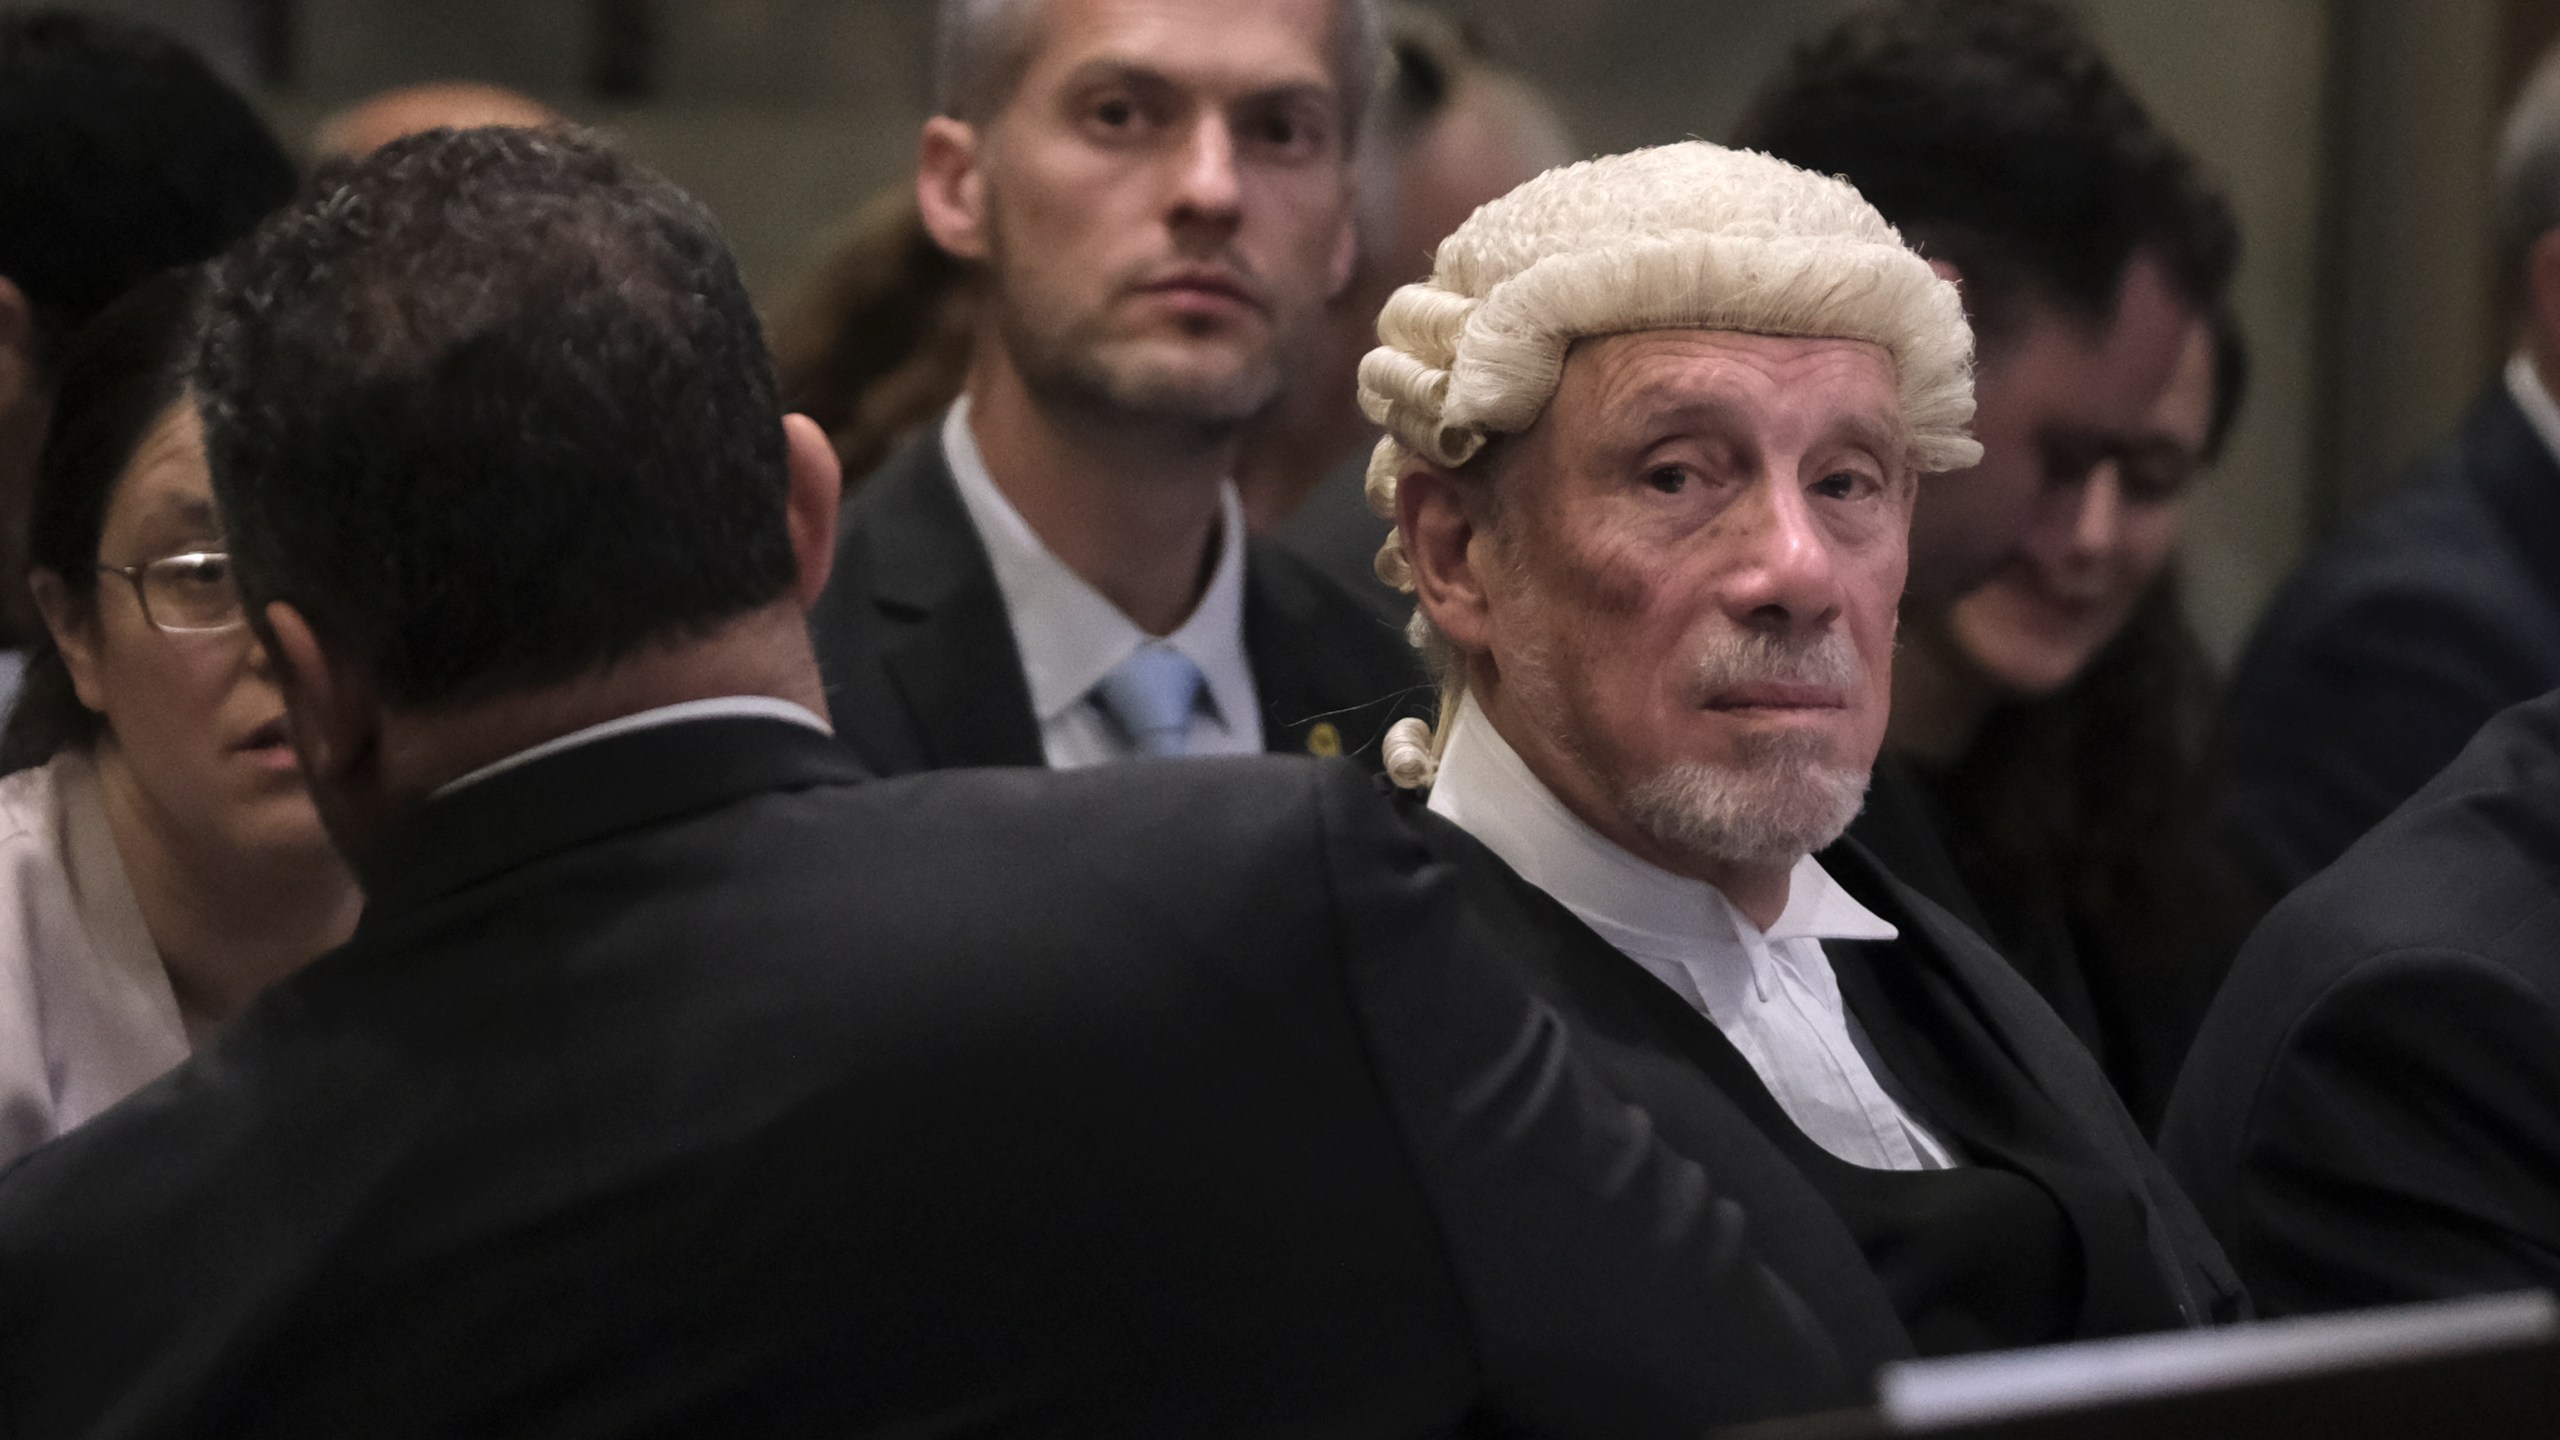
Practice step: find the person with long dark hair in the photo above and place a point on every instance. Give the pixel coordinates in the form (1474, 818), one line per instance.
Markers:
(2062, 712)
(160, 859)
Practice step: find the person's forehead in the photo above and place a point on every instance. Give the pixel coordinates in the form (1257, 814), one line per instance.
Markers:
(165, 482)
(1658, 369)
(1234, 46)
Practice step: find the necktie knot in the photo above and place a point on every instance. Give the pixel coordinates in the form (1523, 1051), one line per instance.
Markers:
(1153, 694)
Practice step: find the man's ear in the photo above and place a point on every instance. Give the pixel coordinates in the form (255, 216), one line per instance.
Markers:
(1440, 533)
(951, 186)
(817, 492)
(330, 705)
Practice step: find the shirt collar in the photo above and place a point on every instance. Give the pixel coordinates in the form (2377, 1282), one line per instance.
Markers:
(2524, 382)
(771, 707)
(1070, 636)
(1487, 789)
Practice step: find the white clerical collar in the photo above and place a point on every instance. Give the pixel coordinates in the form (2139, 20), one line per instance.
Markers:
(2524, 382)
(1487, 789)
(1068, 634)
(767, 707)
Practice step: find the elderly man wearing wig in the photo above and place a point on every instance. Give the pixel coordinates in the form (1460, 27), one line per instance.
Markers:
(1654, 428)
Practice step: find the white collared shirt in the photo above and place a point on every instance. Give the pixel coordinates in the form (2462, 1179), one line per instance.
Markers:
(2524, 382)
(1069, 636)
(1771, 992)
(769, 707)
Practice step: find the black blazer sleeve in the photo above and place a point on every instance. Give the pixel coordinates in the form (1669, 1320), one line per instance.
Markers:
(2380, 661)
(1656, 1317)
(2402, 1143)
(2361, 707)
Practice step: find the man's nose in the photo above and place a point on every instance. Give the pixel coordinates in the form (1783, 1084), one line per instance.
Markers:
(1207, 186)
(1785, 573)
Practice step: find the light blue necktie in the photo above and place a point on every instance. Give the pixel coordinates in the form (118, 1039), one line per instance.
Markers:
(1152, 695)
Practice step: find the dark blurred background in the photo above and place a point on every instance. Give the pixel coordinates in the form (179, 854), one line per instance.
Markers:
(2354, 136)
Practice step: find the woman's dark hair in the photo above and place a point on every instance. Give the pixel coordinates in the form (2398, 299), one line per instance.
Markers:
(121, 374)
(2092, 799)
(122, 153)
(1996, 135)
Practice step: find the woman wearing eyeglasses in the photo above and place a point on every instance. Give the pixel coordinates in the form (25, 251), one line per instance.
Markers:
(160, 860)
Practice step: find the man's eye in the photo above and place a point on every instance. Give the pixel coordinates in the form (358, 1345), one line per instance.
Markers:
(1840, 485)
(2156, 479)
(1669, 479)
(1115, 114)
(1294, 135)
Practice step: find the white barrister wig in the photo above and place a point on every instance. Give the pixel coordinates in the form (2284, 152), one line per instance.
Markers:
(1679, 237)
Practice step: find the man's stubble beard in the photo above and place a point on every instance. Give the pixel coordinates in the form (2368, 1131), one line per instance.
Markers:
(1068, 361)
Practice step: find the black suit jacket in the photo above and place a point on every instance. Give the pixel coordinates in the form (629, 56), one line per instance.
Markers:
(923, 674)
(2372, 1110)
(2378, 662)
(676, 1084)
(1649, 1044)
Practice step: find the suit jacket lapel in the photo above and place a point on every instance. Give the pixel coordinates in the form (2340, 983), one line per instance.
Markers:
(943, 638)
(1278, 646)
(1330, 675)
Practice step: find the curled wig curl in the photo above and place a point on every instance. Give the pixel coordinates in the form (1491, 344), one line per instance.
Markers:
(1678, 237)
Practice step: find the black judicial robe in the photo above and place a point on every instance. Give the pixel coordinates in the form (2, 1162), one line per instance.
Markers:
(685, 1083)
(2061, 1226)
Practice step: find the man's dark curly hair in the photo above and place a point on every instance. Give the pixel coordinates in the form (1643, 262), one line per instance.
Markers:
(492, 409)
(1995, 135)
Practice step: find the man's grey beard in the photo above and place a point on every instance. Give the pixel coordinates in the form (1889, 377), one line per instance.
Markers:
(1779, 800)
(1773, 807)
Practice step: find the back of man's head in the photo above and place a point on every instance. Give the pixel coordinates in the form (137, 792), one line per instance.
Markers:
(1995, 136)
(121, 154)
(492, 410)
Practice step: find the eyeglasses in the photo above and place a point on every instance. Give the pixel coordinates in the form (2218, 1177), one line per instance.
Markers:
(189, 594)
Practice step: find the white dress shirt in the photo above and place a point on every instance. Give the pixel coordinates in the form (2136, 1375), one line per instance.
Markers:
(2524, 382)
(87, 1015)
(1069, 636)
(1771, 992)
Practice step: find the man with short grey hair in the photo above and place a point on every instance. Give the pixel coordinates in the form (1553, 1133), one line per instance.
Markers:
(2386, 653)
(1157, 198)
